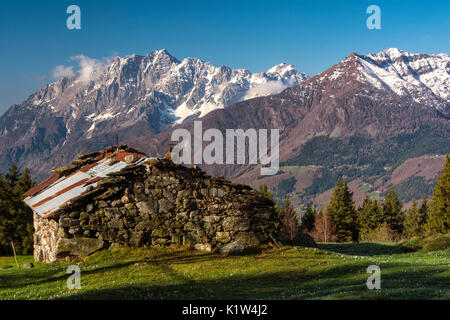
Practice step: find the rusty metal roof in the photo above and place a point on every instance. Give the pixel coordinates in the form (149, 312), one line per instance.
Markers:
(43, 185)
(71, 181)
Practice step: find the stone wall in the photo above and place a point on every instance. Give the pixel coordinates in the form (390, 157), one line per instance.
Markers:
(45, 238)
(156, 203)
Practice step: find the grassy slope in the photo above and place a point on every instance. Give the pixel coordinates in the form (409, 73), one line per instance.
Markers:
(336, 271)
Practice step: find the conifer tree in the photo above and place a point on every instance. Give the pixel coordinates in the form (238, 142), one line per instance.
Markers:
(276, 211)
(392, 211)
(343, 214)
(12, 176)
(412, 224)
(308, 218)
(439, 209)
(423, 213)
(16, 218)
(290, 223)
(370, 217)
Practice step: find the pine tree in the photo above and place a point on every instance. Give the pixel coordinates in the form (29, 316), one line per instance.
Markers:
(439, 210)
(343, 214)
(12, 176)
(290, 223)
(276, 211)
(392, 211)
(423, 213)
(24, 183)
(308, 218)
(16, 218)
(370, 217)
(412, 225)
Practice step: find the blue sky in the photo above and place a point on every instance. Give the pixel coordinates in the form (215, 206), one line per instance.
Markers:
(312, 35)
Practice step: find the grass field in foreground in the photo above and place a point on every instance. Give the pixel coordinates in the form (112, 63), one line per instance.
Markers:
(335, 271)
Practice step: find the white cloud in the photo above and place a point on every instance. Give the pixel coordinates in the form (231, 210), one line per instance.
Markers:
(61, 71)
(265, 89)
(88, 68)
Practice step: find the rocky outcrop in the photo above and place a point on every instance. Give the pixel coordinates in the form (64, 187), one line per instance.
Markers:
(157, 203)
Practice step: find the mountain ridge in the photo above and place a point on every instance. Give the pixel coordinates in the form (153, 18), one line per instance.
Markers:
(127, 95)
(337, 113)
(391, 100)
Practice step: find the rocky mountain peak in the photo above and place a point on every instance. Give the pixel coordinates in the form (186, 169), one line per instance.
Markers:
(129, 94)
(419, 78)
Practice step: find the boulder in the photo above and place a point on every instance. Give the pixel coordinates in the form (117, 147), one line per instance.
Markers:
(235, 247)
(80, 247)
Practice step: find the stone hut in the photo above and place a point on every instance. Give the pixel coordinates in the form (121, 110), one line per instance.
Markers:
(120, 197)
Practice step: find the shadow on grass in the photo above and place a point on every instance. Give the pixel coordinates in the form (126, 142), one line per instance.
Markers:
(162, 261)
(37, 277)
(343, 281)
(339, 282)
(361, 249)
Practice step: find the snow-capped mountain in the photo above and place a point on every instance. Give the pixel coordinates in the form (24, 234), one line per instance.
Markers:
(359, 120)
(387, 93)
(426, 78)
(156, 87)
(130, 96)
(423, 78)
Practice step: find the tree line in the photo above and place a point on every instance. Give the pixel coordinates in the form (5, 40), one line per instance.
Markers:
(375, 220)
(341, 221)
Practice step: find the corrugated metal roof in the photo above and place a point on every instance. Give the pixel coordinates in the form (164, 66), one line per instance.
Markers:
(50, 195)
(43, 185)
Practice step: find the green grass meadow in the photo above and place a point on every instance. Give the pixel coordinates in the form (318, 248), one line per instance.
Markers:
(335, 271)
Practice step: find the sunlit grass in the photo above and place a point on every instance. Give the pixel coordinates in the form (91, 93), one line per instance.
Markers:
(336, 271)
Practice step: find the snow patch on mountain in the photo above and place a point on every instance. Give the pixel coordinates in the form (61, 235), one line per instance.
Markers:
(156, 88)
(425, 78)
